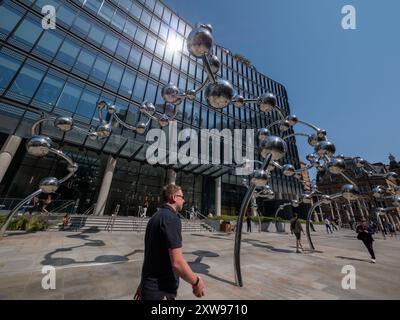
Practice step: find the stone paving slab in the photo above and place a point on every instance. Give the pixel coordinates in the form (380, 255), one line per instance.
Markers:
(104, 265)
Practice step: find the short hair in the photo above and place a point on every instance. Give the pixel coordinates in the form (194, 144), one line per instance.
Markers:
(169, 190)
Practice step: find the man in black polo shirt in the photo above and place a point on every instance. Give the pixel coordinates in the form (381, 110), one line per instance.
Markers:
(163, 259)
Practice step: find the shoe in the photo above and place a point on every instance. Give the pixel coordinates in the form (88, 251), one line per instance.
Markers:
(373, 260)
(298, 251)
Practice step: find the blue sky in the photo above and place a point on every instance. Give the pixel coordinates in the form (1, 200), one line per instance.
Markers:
(344, 81)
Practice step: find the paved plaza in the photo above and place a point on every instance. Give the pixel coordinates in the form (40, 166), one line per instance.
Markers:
(101, 265)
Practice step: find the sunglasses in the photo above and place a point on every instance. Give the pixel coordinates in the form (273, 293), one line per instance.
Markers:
(178, 195)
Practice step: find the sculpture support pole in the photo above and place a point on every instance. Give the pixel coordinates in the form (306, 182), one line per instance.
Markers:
(239, 225)
(254, 208)
(310, 212)
(13, 212)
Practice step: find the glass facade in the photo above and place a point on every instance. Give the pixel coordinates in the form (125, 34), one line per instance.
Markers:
(119, 51)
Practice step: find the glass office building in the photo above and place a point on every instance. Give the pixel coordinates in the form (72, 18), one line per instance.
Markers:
(123, 52)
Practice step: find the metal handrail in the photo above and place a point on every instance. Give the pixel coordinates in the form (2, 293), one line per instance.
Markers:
(65, 205)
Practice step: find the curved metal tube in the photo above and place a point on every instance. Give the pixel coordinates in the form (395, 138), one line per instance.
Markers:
(276, 164)
(254, 208)
(310, 212)
(280, 112)
(296, 134)
(206, 64)
(238, 234)
(308, 125)
(35, 125)
(249, 100)
(277, 211)
(239, 225)
(125, 125)
(207, 81)
(274, 124)
(82, 130)
(15, 210)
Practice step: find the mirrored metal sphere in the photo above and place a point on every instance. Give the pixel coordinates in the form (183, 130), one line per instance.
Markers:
(199, 41)
(336, 165)
(306, 198)
(147, 107)
(350, 192)
(259, 178)
(359, 162)
(64, 124)
(325, 148)
(190, 94)
(238, 100)
(49, 184)
(326, 199)
(73, 168)
(285, 125)
(292, 119)
(92, 135)
(214, 63)
(101, 105)
(164, 120)
(273, 145)
(321, 133)
(170, 93)
(112, 109)
(39, 146)
(313, 140)
(219, 94)
(141, 128)
(392, 176)
(396, 201)
(103, 130)
(262, 134)
(311, 157)
(295, 203)
(288, 170)
(267, 102)
(378, 192)
(267, 192)
(207, 26)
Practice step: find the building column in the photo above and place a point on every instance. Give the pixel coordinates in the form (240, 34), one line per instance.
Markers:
(360, 208)
(218, 196)
(395, 217)
(366, 208)
(337, 210)
(333, 215)
(351, 211)
(7, 153)
(105, 186)
(171, 176)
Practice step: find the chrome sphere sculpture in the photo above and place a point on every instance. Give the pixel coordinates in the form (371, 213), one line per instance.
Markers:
(218, 92)
(41, 145)
(349, 192)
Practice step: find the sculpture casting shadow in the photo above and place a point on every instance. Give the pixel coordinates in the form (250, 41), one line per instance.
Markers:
(202, 268)
(58, 262)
